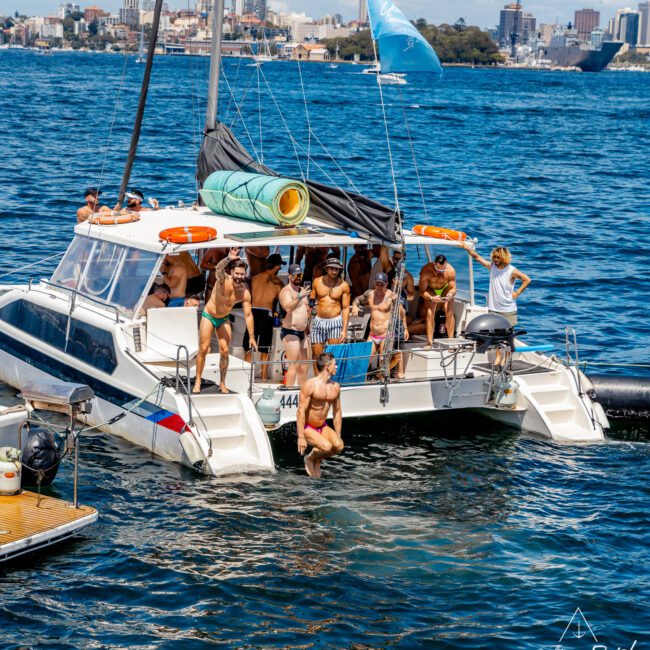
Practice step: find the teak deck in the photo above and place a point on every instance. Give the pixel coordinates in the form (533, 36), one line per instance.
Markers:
(24, 526)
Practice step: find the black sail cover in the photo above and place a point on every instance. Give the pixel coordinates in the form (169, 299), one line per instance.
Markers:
(351, 212)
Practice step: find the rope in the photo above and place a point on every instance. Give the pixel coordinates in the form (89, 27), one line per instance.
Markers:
(27, 266)
(259, 113)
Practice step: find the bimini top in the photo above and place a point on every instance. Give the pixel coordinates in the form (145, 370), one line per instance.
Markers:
(144, 234)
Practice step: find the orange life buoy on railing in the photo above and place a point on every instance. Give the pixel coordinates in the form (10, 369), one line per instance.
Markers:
(110, 219)
(188, 234)
(439, 233)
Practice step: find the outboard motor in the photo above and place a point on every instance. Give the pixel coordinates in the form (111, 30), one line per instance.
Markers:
(490, 330)
(41, 458)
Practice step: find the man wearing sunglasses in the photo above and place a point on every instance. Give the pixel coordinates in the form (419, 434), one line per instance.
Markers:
(294, 303)
(437, 290)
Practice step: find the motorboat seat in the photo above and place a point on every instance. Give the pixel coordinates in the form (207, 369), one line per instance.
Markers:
(167, 328)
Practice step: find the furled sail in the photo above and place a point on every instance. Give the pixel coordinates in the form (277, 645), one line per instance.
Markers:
(352, 212)
(402, 48)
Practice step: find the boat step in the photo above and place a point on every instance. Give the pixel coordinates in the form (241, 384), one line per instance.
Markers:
(221, 433)
(571, 432)
(236, 461)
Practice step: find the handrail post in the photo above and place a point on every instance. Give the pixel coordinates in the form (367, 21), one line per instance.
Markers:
(187, 385)
(252, 377)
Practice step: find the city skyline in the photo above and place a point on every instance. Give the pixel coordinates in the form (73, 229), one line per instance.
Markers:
(484, 14)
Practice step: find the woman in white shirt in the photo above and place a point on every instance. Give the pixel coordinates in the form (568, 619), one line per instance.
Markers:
(503, 295)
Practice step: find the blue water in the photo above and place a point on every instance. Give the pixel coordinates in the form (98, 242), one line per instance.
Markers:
(436, 533)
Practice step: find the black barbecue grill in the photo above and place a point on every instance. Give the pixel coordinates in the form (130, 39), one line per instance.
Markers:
(490, 330)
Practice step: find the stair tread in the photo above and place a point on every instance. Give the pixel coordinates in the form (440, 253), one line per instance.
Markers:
(557, 408)
(225, 433)
(548, 388)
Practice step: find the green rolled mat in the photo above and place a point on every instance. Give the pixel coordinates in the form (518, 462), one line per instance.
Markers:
(257, 197)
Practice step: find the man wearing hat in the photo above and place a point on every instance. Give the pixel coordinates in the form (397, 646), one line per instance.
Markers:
(332, 295)
(91, 195)
(294, 303)
(134, 199)
(265, 289)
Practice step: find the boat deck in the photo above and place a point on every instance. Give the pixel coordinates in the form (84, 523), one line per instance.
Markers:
(26, 525)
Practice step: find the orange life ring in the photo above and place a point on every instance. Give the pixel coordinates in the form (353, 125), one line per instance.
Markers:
(439, 233)
(110, 219)
(188, 234)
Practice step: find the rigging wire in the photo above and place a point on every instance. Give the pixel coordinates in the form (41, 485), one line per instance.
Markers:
(259, 113)
(415, 162)
(304, 101)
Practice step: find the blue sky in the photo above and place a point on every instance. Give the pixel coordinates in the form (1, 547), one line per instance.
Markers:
(484, 13)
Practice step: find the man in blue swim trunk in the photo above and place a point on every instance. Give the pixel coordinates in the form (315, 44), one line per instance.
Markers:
(230, 288)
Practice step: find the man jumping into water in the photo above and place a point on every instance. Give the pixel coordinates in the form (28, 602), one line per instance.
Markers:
(230, 287)
(317, 395)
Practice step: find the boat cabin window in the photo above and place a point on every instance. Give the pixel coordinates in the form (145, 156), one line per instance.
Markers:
(112, 273)
(85, 342)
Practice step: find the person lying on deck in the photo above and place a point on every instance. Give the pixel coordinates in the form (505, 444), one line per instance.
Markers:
(230, 288)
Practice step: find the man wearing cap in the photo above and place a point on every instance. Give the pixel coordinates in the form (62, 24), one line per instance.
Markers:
(92, 205)
(381, 301)
(265, 289)
(294, 303)
(134, 199)
(437, 291)
(331, 294)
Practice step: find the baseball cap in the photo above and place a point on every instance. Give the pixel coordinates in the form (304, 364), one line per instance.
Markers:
(135, 194)
(275, 260)
(92, 190)
(334, 261)
(381, 277)
(294, 269)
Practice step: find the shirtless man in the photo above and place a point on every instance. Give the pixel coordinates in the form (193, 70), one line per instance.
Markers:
(265, 289)
(317, 395)
(229, 289)
(134, 199)
(332, 296)
(157, 298)
(176, 275)
(380, 300)
(256, 258)
(314, 255)
(437, 290)
(209, 263)
(92, 206)
(294, 301)
(359, 270)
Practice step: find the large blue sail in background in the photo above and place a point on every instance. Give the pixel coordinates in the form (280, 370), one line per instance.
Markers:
(401, 46)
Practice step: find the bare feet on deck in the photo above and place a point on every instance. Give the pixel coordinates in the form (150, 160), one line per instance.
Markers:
(197, 388)
(223, 389)
(310, 466)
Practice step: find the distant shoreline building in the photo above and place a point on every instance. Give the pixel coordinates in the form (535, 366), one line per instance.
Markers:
(644, 24)
(585, 21)
(514, 20)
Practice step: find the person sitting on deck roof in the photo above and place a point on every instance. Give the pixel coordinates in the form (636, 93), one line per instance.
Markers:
(265, 289)
(438, 288)
(134, 199)
(91, 195)
(229, 289)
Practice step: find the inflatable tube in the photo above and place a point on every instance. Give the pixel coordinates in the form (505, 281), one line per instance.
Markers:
(439, 233)
(188, 234)
(622, 396)
(110, 219)
(257, 197)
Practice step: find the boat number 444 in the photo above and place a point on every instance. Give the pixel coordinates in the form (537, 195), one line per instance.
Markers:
(289, 401)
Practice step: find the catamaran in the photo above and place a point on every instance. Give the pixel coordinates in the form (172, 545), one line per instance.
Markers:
(86, 324)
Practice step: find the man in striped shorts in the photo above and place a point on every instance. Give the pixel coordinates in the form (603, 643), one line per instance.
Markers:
(331, 294)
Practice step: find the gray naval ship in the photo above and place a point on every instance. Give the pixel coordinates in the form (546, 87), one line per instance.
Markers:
(567, 50)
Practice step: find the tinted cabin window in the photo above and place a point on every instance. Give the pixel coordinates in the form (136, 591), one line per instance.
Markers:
(87, 343)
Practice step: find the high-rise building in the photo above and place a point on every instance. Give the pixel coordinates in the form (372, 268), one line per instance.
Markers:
(93, 14)
(511, 22)
(65, 9)
(363, 11)
(238, 7)
(528, 23)
(547, 30)
(586, 20)
(596, 37)
(129, 13)
(628, 30)
(644, 24)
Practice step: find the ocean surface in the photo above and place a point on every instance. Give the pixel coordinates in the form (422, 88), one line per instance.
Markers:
(444, 532)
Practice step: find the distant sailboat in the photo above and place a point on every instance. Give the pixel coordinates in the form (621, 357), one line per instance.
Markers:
(333, 65)
(402, 48)
(142, 57)
(265, 57)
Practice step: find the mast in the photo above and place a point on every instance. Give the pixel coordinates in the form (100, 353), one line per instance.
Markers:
(215, 66)
(135, 136)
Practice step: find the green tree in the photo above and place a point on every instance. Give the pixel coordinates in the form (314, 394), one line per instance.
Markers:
(93, 28)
